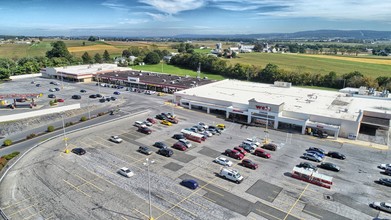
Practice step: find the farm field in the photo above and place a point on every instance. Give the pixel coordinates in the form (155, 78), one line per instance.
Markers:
(322, 64)
(175, 70)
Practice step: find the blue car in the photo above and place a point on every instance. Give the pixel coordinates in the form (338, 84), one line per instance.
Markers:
(116, 93)
(191, 184)
(317, 153)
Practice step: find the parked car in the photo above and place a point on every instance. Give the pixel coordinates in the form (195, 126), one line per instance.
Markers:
(179, 146)
(337, 155)
(223, 161)
(320, 150)
(248, 146)
(116, 93)
(52, 96)
(165, 122)
(172, 120)
(330, 166)
(60, 100)
(308, 166)
(112, 98)
(231, 174)
(115, 139)
(178, 136)
(207, 133)
(234, 154)
(270, 146)
(102, 100)
(161, 117)
(98, 95)
(108, 99)
(165, 152)
(76, 97)
(38, 85)
(241, 150)
(312, 156)
(144, 130)
(253, 141)
(320, 133)
(83, 91)
(185, 142)
(388, 171)
(384, 166)
(215, 129)
(191, 184)
(52, 90)
(124, 171)
(203, 125)
(261, 153)
(153, 121)
(144, 150)
(57, 89)
(160, 145)
(221, 126)
(317, 153)
(249, 164)
(51, 82)
(385, 181)
(147, 123)
(383, 206)
(78, 151)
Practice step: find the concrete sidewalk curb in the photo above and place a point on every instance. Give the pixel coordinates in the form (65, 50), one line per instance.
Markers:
(363, 144)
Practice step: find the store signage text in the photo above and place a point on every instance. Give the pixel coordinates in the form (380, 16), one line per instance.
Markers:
(264, 108)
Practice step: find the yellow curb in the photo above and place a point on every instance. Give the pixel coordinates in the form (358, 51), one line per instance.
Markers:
(364, 144)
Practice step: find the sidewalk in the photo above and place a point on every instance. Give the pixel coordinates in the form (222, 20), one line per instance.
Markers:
(362, 143)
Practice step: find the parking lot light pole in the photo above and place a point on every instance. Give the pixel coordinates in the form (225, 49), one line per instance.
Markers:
(147, 163)
(63, 128)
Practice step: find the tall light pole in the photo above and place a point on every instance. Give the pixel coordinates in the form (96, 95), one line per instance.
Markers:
(63, 128)
(148, 163)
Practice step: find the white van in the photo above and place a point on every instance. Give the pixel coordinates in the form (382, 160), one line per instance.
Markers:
(231, 174)
(139, 124)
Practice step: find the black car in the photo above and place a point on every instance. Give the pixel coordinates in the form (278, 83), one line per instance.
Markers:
(160, 145)
(102, 100)
(161, 117)
(108, 99)
(52, 82)
(57, 89)
(307, 165)
(76, 97)
(337, 155)
(98, 95)
(320, 150)
(144, 150)
(38, 85)
(178, 136)
(78, 151)
(385, 181)
(52, 96)
(165, 152)
(113, 98)
(329, 166)
(83, 91)
(93, 96)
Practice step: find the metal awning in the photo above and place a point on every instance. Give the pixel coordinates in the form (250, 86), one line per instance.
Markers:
(381, 122)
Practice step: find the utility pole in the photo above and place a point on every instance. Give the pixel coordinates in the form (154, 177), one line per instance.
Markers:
(147, 163)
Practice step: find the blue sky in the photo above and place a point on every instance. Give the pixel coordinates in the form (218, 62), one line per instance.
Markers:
(171, 17)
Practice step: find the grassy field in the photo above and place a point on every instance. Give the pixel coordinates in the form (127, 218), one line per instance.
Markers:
(322, 64)
(175, 70)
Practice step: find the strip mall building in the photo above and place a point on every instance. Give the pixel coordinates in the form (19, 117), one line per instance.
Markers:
(285, 107)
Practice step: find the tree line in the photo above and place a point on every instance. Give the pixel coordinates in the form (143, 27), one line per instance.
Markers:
(272, 72)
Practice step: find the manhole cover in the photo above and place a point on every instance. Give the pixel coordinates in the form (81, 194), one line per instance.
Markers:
(328, 197)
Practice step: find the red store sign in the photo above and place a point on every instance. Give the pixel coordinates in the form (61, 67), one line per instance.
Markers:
(264, 108)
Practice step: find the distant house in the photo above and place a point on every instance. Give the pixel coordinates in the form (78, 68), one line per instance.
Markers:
(132, 58)
(119, 60)
(167, 59)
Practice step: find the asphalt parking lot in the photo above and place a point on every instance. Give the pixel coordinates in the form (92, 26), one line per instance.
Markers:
(49, 184)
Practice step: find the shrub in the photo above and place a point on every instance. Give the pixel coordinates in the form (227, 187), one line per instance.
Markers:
(50, 128)
(12, 155)
(68, 124)
(32, 135)
(7, 142)
(101, 113)
(84, 118)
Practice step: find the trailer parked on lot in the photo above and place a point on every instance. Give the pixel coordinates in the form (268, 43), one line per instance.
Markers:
(193, 136)
(311, 176)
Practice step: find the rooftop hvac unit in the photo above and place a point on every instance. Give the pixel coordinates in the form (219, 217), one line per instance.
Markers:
(282, 84)
(172, 82)
(164, 80)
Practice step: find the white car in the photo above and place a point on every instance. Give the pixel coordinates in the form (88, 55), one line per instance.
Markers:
(147, 123)
(223, 161)
(203, 125)
(207, 133)
(124, 171)
(185, 142)
(384, 206)
(253, 141)
(52, 90)
(116, 139)
(384, 166)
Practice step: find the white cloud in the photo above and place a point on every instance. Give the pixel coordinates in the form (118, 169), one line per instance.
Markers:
(174, 6)
(133, 21)
(113, 4)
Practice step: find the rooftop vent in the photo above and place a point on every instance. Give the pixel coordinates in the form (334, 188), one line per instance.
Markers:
(164, 80)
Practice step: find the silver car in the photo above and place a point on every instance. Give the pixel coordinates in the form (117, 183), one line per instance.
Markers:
(383, 206)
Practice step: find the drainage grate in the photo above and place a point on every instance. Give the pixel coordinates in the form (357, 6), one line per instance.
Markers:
(328, 197)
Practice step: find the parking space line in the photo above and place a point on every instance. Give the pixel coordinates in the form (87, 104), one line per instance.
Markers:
(98, 176)
(124, 217)
(88, 182)
(205, 180)
(294, 204)
(28, 217)
(22, 209)
(268, 214)
(50, 217)
(188, 200)
(211, 200)
(191, 213)
(76, 188)
(214, 192)
(17, 202)
(252, 218)
(142, 213)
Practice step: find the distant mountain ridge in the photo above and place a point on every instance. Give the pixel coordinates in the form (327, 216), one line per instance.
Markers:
(316, 34)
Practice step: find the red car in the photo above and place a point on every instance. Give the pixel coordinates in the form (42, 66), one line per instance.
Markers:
(172, 120)
(234, 154)
(179, 146)
(261, 153)
(249, 164)
(145, 130)
(60, 100)
(241, 150)
(153, 121)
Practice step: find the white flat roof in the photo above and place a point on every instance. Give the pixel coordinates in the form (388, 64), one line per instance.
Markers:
(296, 99)
(90, 69)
